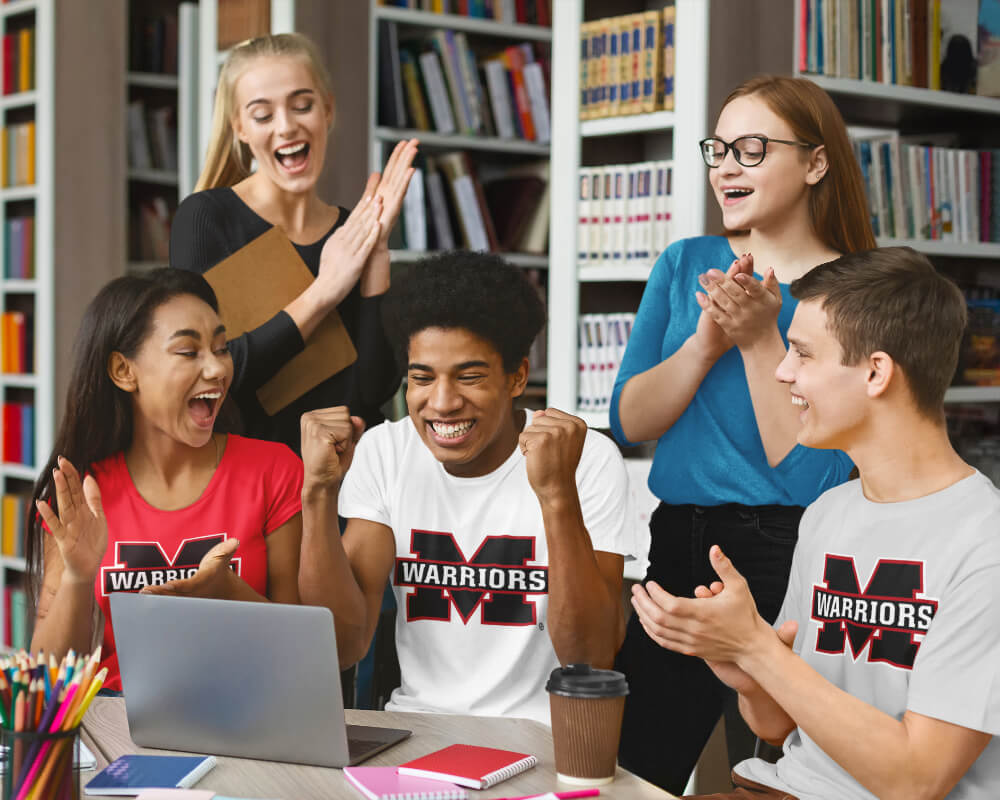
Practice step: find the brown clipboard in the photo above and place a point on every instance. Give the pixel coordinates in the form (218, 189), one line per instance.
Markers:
(254, 284)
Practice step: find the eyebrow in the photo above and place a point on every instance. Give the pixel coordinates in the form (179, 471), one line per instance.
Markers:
(191, 332)
(458, 367)
(265, 101)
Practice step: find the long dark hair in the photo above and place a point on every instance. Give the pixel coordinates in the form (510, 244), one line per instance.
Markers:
(97, 420)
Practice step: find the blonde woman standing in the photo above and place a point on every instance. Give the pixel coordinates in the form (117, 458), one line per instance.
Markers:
(274, 107)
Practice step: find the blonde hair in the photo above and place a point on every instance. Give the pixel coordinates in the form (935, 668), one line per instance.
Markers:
(227, 161)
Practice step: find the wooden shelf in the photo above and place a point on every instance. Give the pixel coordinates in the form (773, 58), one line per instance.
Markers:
(152, 80)
(604, 273)
(459, 22)
(939, 247)
(458, 141)
(526, 260)
(972, 394)
(656, 121)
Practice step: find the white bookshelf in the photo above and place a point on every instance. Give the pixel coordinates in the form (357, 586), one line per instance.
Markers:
(891, 103)
(458, 22)
(39, 386)
(676, 131)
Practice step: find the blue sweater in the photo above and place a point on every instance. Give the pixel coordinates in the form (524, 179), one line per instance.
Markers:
(713, 453)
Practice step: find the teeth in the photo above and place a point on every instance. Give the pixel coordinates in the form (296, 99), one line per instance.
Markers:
(737, 192)
(291, 149)
(208, 396)
(799, 401)
(452, 430)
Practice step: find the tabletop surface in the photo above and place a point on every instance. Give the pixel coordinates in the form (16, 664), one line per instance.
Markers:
(106, 732)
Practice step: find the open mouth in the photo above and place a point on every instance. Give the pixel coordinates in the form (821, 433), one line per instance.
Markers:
(204, 406)
(736, 194)
(799, 401)
(293, 156)
(451, 432)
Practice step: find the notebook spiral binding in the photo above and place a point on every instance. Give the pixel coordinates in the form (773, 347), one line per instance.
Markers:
(509, 771)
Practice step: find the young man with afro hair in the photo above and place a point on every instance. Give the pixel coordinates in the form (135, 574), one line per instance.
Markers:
(503, 532)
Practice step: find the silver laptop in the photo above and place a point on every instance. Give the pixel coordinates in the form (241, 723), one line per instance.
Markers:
(255, 680)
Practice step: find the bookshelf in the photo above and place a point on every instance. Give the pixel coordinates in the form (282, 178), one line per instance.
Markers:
(26, 286)
(637, 137)
(160, 123)
(488, 154)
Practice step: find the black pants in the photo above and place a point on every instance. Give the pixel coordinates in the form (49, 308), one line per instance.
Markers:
(675, 701)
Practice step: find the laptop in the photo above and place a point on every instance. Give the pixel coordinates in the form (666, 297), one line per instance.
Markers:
(254, 680)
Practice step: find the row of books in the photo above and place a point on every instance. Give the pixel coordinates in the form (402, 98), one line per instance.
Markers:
(17, 154)
(954, 45)
(918, 191)
(19, 61)
(19, 433)
(440, 83)
(152, 137)
(624, 212)
(149, 229)
(627, 64)
(529, 12)
(13, 508)
(602, 342)
(153, 41)
(979, 358)
(447, 206)
(19, 248)
(15, 622)
(17, 351)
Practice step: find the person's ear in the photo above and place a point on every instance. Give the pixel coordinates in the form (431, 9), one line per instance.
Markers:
(881, 371)
(519, 379)
(239, 132)
(121, 373)
(818, 165)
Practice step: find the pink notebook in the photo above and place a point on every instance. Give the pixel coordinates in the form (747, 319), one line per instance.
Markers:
(385, 783)
(469, 765)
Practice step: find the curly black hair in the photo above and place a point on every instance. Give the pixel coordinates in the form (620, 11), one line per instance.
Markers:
(479, 292)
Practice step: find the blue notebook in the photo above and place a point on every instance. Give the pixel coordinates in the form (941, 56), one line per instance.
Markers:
(131, 774)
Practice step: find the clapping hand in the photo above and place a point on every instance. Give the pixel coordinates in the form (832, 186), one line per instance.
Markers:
(80, 529)
(392, 186)
(328, 439)
(713, 340)
(347, 250)
(215, 577)
(745, 308)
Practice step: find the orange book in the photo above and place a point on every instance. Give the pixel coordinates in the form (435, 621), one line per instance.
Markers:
(25, 58)
(29, 154)
(513, 60)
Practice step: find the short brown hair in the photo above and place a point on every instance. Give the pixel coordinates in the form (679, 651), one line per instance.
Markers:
(892, 299)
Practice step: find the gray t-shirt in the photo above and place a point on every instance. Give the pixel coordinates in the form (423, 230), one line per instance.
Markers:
(898, 604)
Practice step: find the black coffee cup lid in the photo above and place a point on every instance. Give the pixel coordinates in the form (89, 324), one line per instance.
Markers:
(583, 680)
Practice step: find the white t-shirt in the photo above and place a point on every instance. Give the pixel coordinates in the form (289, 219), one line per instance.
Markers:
(471, 571)
(898, 604)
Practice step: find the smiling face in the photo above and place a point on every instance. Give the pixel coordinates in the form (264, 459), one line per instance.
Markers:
(181, 373)
(833, 398)
(768, 194)
(460, 399)
(283, 117)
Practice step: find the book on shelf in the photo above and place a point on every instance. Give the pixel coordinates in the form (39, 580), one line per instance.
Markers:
(469, 201)
(988, 58)
(979, 357)
(19, 248)
(928, 191)
(19, 433)
(152, 137)
(18, 344)
(438, 80)
(19, 61)
(16, 619)
(17, 154)
(150, 229)
(602, 340)
(627, 64)
(153, 42)
(526, 12)
(13, 511)
(624, 212)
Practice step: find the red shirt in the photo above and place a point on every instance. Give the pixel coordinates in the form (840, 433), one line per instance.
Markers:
(255, 490)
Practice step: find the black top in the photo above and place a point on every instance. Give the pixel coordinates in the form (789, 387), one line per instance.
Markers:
(214, 224)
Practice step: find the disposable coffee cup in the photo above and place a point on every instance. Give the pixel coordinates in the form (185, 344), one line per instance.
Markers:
(587, 706)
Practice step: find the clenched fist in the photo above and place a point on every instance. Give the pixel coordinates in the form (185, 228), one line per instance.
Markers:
(552, 445)
(328, 439)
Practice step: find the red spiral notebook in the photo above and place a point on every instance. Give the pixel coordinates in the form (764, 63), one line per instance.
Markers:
(469, 765)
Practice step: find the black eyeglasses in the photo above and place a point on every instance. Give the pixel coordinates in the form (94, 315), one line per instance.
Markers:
(748, 150)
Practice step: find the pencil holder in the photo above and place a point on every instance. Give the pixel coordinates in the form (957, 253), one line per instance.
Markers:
(39, 765)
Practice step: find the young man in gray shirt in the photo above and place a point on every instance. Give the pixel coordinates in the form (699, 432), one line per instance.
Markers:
(882, 673)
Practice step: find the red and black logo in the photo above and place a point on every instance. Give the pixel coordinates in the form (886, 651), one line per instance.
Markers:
(498, 571)
(887, 614)
(141, 564)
